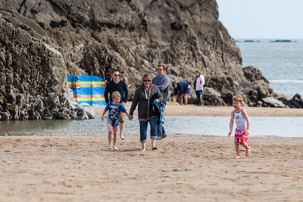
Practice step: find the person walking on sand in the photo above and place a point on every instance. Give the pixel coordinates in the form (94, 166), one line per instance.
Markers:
(240, 116)
(143, 98)
(162, 82)
(114, 109)
(181, 90)
(198, 86)
(117, 85)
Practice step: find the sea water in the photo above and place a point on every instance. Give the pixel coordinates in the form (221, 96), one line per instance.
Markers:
(185, 125)
(280, 62)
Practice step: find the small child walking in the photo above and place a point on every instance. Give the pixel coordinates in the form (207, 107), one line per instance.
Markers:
(242, 122)
(125, 79)
(114, 109)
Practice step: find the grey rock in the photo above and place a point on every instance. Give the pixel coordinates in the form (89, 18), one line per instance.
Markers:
(90, 113)
(272, 102)
(81, 114)
(251, 73)
(212, 97)
(296, 102)
(5, 116)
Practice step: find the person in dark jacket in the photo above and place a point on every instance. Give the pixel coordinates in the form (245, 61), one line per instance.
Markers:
(117, 85)
(142, 98)
(181, 90)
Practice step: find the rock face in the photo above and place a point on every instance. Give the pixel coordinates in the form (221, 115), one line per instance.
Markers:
(43, 41)
(33, 74)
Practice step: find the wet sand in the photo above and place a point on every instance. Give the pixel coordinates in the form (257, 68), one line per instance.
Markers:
(192, 168)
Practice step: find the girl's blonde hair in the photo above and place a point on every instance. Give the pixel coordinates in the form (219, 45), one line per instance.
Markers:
(238, 98)
(115, 94)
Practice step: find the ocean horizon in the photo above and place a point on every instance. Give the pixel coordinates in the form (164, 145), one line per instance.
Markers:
(280, 62)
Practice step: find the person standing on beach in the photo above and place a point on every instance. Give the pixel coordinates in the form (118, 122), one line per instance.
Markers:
(127, 85)
(198, 86)
(117, 85)
(143, 98)
(114, 109)
(242, 121)
(181, 90)
(162, 82)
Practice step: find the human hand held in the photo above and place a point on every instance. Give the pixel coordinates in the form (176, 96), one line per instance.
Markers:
(229, 133)
(102, 118)
(130, 117)
(247, 132)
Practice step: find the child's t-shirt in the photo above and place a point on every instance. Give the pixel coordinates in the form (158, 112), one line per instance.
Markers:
(114, 111)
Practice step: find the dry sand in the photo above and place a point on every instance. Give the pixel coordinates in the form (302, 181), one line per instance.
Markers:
(81, 168)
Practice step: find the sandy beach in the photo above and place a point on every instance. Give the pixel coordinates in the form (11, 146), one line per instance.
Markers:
(184, 168)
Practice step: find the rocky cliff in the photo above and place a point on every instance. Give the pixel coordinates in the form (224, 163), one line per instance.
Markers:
(41, 41)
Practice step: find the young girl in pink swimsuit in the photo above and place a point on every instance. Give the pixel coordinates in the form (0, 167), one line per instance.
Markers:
(242, 121)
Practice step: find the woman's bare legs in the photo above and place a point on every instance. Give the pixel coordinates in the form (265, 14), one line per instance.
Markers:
(181, 99)
(143, 146)
(185, 99)
(153, 142)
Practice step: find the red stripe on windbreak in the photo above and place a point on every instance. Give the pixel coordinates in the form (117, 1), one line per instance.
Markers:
(85, 86)
(76, 96)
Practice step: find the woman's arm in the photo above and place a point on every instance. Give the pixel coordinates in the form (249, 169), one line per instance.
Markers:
(134, 102)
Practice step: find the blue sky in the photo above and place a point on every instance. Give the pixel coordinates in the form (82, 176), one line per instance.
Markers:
(268, 19)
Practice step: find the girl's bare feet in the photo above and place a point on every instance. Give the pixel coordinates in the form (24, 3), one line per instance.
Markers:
(238, 157)
(116, 148)
(247, 151)
(109, 147)
(143, 149)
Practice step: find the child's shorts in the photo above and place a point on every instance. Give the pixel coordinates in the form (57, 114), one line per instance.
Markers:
(113, 122)
(240, 137)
